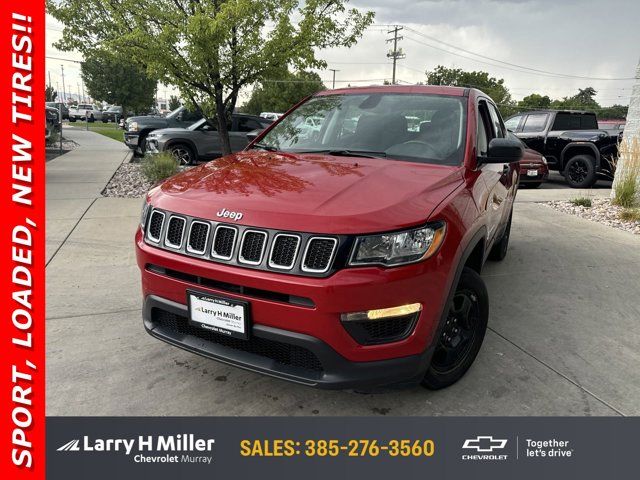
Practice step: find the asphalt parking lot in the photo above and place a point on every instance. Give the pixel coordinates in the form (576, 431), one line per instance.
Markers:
(563, 339)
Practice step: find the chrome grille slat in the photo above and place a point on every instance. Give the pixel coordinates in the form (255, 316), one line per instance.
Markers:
(198, 236)
(224, 241)
(175, 232)
(154, 230)
(252, 247)
(318, 254)
(284, 251)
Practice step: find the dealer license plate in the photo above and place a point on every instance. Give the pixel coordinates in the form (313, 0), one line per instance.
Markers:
(218, 314)
(532, 173)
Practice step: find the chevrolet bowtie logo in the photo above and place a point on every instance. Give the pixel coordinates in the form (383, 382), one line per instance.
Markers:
(484, 443)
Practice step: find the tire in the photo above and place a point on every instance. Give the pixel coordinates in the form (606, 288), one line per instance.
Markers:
(105, 120)
(183, 153)
(72, 119)
(460, 338)
(580, 171)
(501, 247)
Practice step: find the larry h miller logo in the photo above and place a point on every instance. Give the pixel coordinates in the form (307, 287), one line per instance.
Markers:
(180, 448)
(486, 448)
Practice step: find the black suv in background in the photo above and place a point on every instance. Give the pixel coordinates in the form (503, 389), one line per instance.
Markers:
(571, 142)
(137, 128)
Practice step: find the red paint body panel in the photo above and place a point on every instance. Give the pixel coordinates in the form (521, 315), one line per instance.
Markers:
(346, 196)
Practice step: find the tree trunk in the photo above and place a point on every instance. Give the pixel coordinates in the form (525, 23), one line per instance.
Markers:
(223, 131)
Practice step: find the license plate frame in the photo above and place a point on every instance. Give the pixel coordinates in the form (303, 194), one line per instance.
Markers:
(238, 313)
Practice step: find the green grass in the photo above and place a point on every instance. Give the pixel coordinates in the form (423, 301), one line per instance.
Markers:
(158, 167)
(110, 130)
(581, 202)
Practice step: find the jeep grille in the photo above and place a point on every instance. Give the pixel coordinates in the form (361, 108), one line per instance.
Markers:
(296, 253)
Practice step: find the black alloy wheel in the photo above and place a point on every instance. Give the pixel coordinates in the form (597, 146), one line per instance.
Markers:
(461, 336)
(580, 172)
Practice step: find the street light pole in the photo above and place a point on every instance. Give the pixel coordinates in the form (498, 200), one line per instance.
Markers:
(64, 90)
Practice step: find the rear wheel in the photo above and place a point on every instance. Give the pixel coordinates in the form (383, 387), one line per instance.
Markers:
(91, 118)
(183, 154)
(580, 171)
(461, 336)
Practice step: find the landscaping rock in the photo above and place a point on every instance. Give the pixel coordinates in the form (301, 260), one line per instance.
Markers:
(601, 211)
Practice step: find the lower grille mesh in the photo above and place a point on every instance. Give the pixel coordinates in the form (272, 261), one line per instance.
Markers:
(283, 353)
(371, 332)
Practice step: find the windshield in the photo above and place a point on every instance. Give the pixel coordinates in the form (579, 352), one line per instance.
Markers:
(174, 113)
(198, 124)
(414, 127)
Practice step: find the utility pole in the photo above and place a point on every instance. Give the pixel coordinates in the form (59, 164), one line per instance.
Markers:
(83, 99)
(396, 54)
(334, 77)
(63, 87)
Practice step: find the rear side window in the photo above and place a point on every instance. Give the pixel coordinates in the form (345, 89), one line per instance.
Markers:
(575, 121)
(535, 122)
(248, 124)
(513, 122)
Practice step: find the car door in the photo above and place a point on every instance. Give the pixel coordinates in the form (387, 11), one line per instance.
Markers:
(495, 176)
(208, 141)
(532, 131)
(240, 127)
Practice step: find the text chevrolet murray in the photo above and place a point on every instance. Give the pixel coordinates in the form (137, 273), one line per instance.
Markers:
(343, 252)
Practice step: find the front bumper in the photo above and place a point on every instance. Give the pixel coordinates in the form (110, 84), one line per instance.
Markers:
(131, 140)
(278, 313)
(324, 368)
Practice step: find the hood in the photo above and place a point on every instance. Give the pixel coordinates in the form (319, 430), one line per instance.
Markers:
(157, 122)
(309, 192)
(169, 131)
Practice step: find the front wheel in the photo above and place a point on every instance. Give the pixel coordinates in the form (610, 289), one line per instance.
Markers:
(91, 119)
(460, 338)
(183, 154)
(580, 171)
(72, 119)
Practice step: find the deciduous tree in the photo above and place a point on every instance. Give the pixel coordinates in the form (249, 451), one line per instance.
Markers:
(280, 93)
(210, 49)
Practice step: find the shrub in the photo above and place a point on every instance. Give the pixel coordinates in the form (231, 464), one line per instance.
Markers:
(158, 167)
(581, 202)
(630, 215)
(625, 187)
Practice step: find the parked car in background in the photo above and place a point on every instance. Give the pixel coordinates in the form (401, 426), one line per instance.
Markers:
(84, 111)
(351, 260)
(271, 115)
(137, 128)
(614, 127)
(571, 142)
(57, 105)
(52, 121)
(200, 141)
(534, 170)
(112, 114)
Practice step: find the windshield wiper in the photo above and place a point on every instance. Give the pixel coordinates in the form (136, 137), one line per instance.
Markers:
(263, 146)
(349, 153)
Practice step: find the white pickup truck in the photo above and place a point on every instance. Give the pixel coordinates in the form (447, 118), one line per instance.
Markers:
(85, 111)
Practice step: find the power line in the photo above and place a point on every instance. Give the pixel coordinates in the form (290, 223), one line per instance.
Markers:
(536, 70)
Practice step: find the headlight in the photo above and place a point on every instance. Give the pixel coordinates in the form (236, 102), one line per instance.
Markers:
(146, 207)
(398, 248)
(133, 127)
(544, 160)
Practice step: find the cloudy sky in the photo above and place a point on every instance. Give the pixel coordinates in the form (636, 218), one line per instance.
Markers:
(571, 38)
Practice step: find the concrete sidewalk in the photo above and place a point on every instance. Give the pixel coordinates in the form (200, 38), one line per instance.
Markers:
(563, 336)
(75, 180)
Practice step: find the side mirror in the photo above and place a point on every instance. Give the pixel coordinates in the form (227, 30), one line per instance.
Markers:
(502, 150)
(253, 134)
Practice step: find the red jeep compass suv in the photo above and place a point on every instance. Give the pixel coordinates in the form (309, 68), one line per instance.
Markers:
(341, 256)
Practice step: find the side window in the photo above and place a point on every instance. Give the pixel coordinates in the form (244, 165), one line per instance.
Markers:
(512, 123)
(535, 122)
(498, 126)
(566, 121)
(482, 142)
(248, 124)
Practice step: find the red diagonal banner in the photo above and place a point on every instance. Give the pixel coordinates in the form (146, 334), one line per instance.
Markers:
(22, 240)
